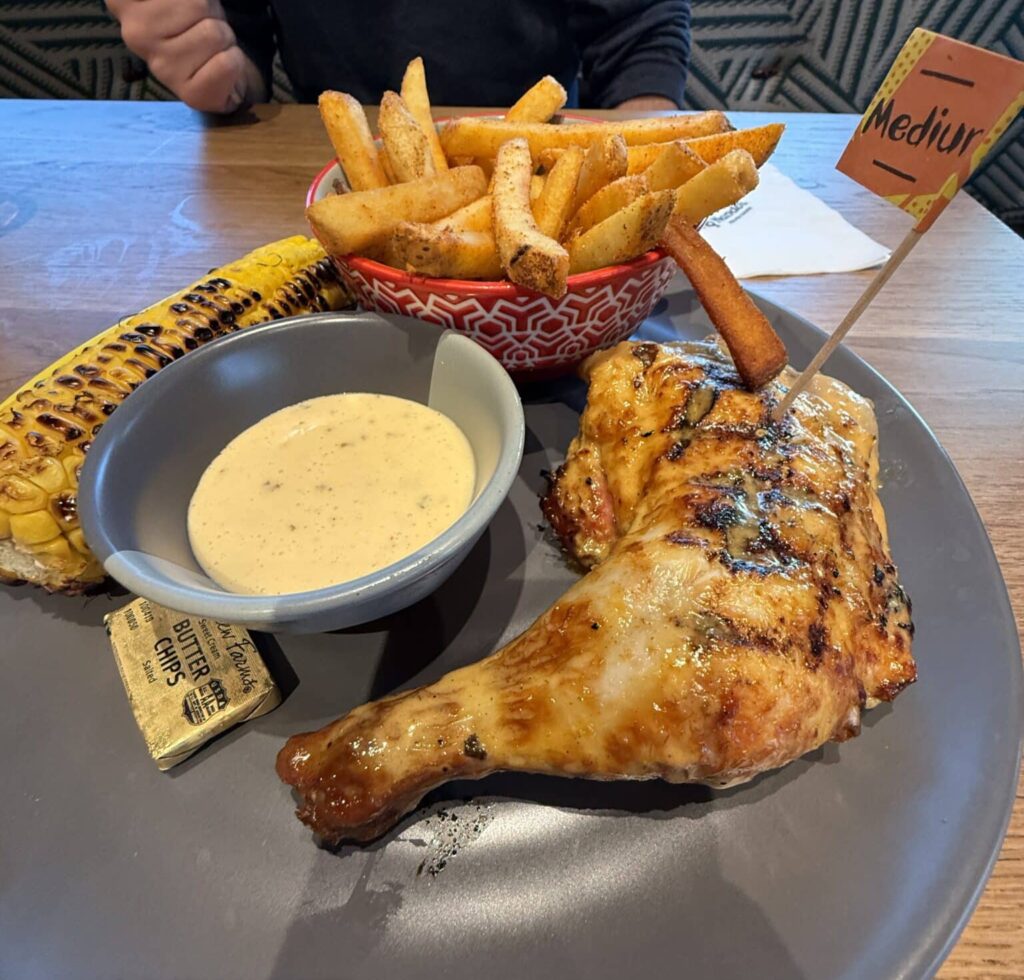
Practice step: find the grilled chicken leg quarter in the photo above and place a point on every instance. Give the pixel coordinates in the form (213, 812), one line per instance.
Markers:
(740, 609)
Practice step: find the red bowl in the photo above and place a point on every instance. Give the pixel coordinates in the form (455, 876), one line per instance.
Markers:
(531, 334)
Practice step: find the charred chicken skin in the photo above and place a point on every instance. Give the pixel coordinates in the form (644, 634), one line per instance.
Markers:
(740, 607)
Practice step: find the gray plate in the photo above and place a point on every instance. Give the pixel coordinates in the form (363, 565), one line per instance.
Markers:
(862, 860)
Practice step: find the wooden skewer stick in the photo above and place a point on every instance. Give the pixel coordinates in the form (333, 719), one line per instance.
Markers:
(884, 275)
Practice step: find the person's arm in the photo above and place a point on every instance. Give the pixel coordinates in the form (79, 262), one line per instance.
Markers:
(634, 53)
(190, 46)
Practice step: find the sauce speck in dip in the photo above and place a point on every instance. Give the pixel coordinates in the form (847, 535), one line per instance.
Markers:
(328, 490)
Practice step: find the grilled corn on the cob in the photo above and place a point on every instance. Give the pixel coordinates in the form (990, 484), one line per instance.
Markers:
(46, 427)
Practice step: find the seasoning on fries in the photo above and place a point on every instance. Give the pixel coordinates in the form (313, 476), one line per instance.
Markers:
(445, 252)
(534, 201)
(605, 161)
(609, 199)
(555, 203)
(472, 217)
(361, 221)
(480, 137)
(674, 165)
(720, 184)
(349, 132)
(528, 256)
(759, 142)
(405, 141)
(539, 103)
(414, 95)
(636, 229)
(643, 156)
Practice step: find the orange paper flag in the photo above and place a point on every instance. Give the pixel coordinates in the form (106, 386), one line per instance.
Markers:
(940, 109)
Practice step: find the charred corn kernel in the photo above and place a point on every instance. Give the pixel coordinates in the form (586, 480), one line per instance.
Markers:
(46, 426)
(34, 528)
(46, 473)
(5, 525)
(11, 446)
(72, 463)
(43, 444)
(64, 509)
(19, 496)
(55, 551)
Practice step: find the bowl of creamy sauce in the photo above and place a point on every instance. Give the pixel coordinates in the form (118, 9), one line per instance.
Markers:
(327, 491)
(304, 475)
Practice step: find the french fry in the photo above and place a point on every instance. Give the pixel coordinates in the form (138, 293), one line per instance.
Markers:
(759, 142)
(385, 163)
(609, 199)
(546, 159)
(349, 133)
(605, 161)
(480, 137)
(415, 96)
(405, 142)
(675, 166)
(539, 103)
(722, 183)
(363, 220)
(528, 257)
(554, 204)
(447, 253)
(626, 234)
(641, 156)
(473, 217)
(486, 164)
(385, 254)
(756, 349)
(468, 202)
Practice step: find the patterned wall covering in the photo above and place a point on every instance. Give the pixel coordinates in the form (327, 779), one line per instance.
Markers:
(831, 56)
(71, 49)
(820, 55)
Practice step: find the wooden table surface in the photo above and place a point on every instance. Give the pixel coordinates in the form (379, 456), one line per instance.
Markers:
(105, 207)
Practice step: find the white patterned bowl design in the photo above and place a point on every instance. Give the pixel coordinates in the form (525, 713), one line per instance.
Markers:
(531, 334)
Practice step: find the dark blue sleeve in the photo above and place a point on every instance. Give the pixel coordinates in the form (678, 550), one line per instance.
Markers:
(254, 29)
(630, 48)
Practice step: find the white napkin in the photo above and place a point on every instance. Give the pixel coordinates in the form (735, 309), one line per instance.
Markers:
(779, 229)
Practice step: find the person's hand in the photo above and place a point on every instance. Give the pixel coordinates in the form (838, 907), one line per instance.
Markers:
(649, 103)
(191, 48)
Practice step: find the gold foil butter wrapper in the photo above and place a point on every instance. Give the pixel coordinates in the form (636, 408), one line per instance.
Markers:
(188, 679)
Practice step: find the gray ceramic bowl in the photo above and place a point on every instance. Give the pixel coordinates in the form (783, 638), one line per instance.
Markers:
(140, 473)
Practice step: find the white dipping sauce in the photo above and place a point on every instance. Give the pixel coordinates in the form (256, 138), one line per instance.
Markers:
(328, 490)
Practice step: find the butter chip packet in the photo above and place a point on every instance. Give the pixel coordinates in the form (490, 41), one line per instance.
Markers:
(187, 679)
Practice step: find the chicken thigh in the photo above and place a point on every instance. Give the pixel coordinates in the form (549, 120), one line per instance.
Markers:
(741, 607)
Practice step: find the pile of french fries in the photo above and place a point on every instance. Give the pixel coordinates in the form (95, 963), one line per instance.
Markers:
(523, 197)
